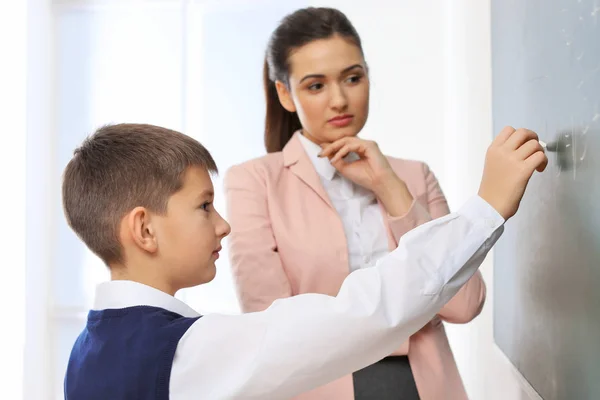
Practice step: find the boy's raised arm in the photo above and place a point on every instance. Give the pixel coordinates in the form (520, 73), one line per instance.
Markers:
(302, 342)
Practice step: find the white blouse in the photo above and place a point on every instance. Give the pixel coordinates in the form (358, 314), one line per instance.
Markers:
(357, 207)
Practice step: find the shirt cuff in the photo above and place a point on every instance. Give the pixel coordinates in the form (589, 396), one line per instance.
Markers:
(484, 222)
(478, 210)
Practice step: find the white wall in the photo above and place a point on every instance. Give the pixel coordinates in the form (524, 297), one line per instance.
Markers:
(486, 372)
(404, 51)
(13, 117)
(41, 192)
(431, 100)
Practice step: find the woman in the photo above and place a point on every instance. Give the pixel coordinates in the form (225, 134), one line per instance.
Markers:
(323, 188)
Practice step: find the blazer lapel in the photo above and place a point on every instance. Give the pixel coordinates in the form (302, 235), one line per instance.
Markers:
(296, 159)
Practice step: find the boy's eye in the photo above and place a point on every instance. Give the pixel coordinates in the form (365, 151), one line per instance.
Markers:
(205, 206)
(354, 79)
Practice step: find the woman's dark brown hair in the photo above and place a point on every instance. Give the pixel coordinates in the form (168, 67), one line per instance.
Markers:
(297, 29)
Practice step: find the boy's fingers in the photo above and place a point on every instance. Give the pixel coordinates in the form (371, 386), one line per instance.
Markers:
(528, 149)
(504, 135)
(537, 161)
(519, 137)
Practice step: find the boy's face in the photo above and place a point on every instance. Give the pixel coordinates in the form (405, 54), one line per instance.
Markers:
(189, 235)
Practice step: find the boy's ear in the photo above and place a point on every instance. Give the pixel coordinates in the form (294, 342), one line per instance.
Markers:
(285, 97)
(141, 229)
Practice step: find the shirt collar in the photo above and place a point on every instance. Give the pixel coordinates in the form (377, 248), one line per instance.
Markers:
(322, 165)
(123, 294)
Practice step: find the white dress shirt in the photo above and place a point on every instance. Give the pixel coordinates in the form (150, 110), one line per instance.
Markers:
(358, 209)
(305, 341)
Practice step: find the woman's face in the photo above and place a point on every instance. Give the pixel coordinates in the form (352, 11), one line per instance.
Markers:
(328, 88)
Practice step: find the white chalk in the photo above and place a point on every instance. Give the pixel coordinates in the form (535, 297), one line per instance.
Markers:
(549, 147)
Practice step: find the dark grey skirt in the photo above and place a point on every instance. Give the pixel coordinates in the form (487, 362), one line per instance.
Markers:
(388, 379)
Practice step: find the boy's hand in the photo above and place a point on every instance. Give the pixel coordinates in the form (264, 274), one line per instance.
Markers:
(510, 161)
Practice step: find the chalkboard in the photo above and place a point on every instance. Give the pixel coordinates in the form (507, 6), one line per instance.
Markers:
(546, 77)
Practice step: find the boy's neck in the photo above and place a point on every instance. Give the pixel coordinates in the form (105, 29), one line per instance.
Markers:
(123, 273)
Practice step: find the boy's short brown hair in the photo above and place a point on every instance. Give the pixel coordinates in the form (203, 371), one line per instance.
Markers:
(121, 167)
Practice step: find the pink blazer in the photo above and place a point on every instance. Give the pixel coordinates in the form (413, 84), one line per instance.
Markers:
(288, 239)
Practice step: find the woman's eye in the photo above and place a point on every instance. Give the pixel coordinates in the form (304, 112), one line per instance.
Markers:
(315, 86)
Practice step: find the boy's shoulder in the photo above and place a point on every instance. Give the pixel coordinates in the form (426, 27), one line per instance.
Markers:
(145, 322)
(120, 345)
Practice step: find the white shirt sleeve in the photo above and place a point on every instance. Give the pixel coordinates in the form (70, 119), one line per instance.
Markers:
(305, 341)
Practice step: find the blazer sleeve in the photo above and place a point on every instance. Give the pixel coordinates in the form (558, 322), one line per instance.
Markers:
(469, 301)
(256, 266)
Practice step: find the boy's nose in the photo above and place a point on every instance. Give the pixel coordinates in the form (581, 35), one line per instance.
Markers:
(224, 228)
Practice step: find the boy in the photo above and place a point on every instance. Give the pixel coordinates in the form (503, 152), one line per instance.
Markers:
(140, 197)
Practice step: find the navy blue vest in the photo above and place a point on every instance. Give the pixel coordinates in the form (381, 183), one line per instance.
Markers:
(125, 354)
